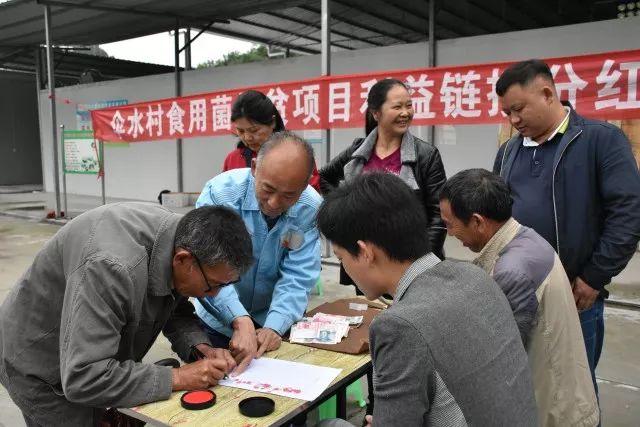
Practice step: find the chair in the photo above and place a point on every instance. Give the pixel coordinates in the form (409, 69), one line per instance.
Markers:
(328, 409)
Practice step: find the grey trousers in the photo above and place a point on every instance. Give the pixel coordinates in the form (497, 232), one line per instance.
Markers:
(30, 422)
(97, 417)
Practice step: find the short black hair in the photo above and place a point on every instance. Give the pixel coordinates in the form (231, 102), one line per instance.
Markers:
(477, 191)
(256, 107)
(287, 137)
(522, 73)
(215, 234)
(376, 207)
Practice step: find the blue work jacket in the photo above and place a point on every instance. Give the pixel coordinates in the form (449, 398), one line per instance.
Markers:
(275, 290)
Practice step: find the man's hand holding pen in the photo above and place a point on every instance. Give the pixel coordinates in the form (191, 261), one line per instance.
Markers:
(213, 364)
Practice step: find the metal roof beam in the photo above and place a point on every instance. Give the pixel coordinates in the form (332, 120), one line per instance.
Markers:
(132, 10)
(237, 35)
(11, 55)
(29, 69)
(420, 9)
(192, 39)
(532, 13)
(510, 23)
(314, 25)
(481, 14)
(359, 25)
(412, 11)
(405, 20)
(287, 32)
(445, 32)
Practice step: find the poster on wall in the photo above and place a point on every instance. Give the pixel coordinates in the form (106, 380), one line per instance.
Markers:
(83, 114)
(80, 153)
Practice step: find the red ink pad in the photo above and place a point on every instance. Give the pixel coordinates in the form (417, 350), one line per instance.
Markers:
(199, 399)
(256, 406)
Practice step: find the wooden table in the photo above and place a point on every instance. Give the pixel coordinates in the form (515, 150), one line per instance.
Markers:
(225, 412)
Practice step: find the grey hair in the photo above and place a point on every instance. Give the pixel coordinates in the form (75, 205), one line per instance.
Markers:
(286, 137)
(216, 235)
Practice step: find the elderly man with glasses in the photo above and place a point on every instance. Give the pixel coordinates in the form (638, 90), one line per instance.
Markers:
(74, 329)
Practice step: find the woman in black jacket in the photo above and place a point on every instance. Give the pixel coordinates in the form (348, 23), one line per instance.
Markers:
(390, 146)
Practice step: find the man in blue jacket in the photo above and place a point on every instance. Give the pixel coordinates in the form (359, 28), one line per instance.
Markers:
(573, 180)
(278, 206)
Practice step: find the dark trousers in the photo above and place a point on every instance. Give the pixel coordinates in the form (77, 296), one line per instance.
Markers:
(592, 322)
(101, 418)
(217, 339)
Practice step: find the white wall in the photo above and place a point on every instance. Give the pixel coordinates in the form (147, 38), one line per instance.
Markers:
(143, 169)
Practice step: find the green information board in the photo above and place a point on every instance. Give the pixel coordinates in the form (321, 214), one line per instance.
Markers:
(80, 152)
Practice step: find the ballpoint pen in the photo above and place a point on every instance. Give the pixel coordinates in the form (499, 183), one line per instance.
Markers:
(199, 355)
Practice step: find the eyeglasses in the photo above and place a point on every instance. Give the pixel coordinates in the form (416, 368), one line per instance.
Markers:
(206, 281)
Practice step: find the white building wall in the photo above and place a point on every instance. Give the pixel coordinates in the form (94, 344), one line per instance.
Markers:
(143, 169)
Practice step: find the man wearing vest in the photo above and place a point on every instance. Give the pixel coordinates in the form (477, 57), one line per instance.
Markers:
(476, 207)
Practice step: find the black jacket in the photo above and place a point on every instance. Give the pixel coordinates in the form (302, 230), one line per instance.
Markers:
(596, 197)
(430, 176)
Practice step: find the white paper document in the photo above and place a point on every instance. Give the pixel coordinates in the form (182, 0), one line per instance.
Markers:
(284, 378)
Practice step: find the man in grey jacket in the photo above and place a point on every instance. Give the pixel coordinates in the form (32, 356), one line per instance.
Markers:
(75, 327)
(447, 352)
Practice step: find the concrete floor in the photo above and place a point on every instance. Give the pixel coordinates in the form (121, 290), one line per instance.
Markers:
(618, 371)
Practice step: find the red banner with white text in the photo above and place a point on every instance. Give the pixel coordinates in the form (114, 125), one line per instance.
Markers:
(603, 86)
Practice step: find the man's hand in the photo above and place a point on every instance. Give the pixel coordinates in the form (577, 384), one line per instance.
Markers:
(198, 375)
(243, 344)
(583, 294)
(369, 420)
(268, 340)
(217, 353)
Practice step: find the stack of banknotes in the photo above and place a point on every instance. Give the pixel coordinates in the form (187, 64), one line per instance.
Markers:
(323, 329)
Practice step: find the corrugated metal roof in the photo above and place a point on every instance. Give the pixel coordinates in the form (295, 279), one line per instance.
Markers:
(102, 21)
(75, 67)
(292, 24)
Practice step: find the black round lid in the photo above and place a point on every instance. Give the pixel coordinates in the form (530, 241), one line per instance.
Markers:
(256, 406)
(198, 399)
